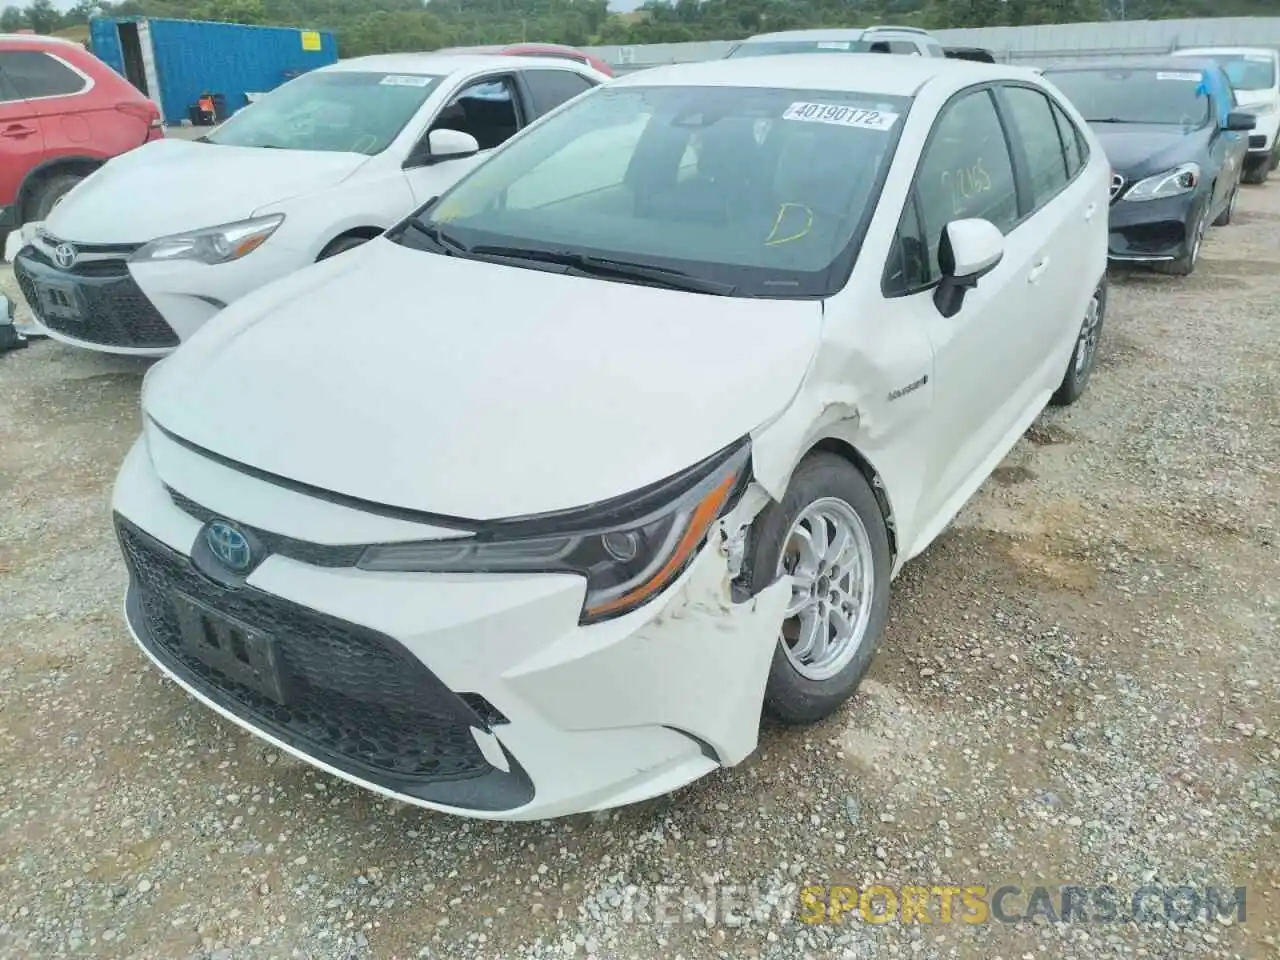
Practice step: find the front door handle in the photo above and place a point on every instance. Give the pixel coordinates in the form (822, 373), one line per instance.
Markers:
(1038, 270)
(1089, 213)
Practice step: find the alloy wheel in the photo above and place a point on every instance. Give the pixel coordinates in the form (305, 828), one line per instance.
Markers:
(1089, 334)
(829, 557)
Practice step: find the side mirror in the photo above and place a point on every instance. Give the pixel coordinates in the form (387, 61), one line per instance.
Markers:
(446, 144)
(1239, 120)
(440, 145)
(970, 249)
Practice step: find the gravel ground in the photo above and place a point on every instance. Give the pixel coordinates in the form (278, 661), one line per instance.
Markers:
(1079, 685)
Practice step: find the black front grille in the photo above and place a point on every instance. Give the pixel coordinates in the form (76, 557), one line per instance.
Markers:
(114, 312)
(359, 701)
(1257, 141)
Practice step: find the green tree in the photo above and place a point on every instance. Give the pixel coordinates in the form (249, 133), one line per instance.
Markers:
(373, 26)
(42, 16)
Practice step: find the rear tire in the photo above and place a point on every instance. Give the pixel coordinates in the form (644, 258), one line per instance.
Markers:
(1085, 353)
(827, 494)
(47, 194)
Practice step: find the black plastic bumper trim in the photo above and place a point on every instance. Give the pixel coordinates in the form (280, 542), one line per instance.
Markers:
(490, 791)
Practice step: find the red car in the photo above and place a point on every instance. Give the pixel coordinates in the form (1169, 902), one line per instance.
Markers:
(557, 50)
(63, 113)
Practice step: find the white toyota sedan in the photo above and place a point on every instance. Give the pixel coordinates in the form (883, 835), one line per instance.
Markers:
(159, 240)
(647, 412)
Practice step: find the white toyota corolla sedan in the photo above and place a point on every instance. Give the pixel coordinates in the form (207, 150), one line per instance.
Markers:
(159, 240)
(646, 413)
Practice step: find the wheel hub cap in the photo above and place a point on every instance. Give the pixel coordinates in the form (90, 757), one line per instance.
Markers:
(828, 555)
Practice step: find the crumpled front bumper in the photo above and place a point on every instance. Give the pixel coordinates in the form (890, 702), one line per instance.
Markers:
(468, 694)
(1153, 231)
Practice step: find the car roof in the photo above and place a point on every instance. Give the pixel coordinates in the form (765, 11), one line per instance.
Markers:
(437, 63)
(534, 45)
(873, 73)
(832, 33)
(1211, 51)
(1167, 62)
(37, 39)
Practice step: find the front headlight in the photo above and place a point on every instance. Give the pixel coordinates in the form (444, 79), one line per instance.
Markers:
(222, 244)
(629, 551)
(1171, 183)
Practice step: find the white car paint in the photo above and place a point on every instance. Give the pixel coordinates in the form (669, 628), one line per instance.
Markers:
(173, 186)
(910, 41)
(486, 391)
(1263, 104)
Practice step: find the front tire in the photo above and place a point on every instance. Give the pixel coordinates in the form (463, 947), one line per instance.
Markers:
(1224, 218)
(1185, 265)
(830, 534)
(1085, 352)
(47, 194)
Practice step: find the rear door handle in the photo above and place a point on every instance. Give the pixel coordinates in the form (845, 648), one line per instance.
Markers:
(17, 130)
(1089, 213)
(1038, 270)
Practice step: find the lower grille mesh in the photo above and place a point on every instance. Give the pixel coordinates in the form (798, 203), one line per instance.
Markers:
(360, 702)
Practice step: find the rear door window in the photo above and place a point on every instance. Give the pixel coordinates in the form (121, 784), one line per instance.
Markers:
(1041, 143)
(1071, 140)
(550, 88)
(34, 74)
(7, 93)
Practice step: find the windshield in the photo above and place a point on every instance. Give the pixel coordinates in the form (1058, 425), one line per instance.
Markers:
(1248, 71)
(768, 48)
(761, 190)
(340, 111)
(1125, 95)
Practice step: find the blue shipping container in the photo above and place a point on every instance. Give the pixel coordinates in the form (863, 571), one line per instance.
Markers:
(175, 62)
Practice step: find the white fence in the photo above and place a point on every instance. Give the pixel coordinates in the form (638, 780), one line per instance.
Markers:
(1038, 44)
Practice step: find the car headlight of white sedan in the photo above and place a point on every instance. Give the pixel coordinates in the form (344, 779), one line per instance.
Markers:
(626, 563)
(213, 245)
(1171, 183)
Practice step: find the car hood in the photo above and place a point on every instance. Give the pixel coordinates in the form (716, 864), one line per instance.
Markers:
(475, 390)
(172, 185)
(1140, 149)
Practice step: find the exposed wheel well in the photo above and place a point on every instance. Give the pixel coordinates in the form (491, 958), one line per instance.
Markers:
(363, 233)
(74, 166)
(849, 452)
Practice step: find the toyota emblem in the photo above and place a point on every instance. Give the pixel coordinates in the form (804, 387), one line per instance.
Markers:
(64, 255)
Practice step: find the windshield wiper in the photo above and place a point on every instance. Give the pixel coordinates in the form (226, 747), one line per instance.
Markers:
(611, 269)
(450, 245)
